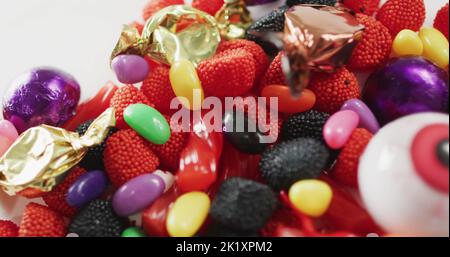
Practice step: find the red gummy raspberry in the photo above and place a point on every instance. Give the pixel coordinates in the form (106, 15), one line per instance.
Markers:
(398, 15)
(274, 74)
(56, 199)
(260, 57)
(126, 156)
(346, 169)
(367, 7)
(123, 98)
(229, 73)
(375, 46)
(208, 6)
(158, 89)
(441, 20)
(8, 229)
(41, 221)
(332, 90)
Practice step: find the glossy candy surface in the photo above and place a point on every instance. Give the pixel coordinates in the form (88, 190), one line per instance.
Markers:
(366, 118)
(286, 102)
(406, 85)
(435, 46)
(87, 187)
(339, 127)
(186, 84)
(148, 122)
(188, 214)
(130, 69)
(41, 96)
(133, 232)
(312, 197)
(407, 42)
(137, 194)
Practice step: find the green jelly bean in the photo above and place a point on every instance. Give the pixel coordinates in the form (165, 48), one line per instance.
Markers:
(133, 232)
(147, 122)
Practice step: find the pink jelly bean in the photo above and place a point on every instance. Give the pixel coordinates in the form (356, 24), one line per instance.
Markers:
(8, 134)
(339, 127)
(366, 118)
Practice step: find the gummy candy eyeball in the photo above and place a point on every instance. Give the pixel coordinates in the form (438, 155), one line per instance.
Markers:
(404, 176)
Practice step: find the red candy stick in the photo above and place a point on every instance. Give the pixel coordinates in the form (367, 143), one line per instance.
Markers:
(92, 108)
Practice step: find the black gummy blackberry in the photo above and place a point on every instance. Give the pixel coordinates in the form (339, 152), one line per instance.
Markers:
(97, 219)
(273, 22)
(291, 161)
(93, 160)
(243, 205)
(217, 230)
(322, 2)
(307, 124)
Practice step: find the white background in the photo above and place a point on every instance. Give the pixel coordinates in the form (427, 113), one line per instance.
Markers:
(76, 36)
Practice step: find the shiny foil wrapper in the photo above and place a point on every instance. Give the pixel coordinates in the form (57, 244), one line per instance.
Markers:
(233, 19)
(175, 32)
(42, 155)
(317, 38)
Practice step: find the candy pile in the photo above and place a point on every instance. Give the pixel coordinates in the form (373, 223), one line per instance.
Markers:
(334, 156)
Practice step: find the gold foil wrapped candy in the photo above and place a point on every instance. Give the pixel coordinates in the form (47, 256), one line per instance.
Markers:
(174, 33)
(42, 155)
(233, 19)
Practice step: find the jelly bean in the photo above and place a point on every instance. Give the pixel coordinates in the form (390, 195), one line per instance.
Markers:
(407, 42)
(154, 217)
(92, 108)
(8, 134)
(148, 122)
(339, 127)
(86, 188)
(137, 194)
(312, 197)
(188, 214)
(286, 102)
(435, 46)
(213, 139)
(133, 232)
(130, 69)
(367, 119)
(185, 84)
(243, 133)
(167, 177)
(198, 166)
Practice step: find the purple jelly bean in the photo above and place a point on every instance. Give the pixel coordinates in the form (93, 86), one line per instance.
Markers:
(367, 119)
(130, 69)
(137, 194)
(86, 188)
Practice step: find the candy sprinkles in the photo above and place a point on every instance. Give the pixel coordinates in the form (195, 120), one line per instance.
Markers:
(338, 126)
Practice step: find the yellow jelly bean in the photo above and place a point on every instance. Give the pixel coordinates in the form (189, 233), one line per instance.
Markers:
(188, 214)
(312, 197)
(435, 46)
(186, 84)
(407, 42)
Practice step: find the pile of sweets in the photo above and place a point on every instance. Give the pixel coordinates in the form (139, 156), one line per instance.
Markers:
(347, 158)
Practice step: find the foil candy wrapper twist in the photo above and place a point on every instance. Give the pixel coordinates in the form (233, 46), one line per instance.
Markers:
(173, 33)
(41, 156)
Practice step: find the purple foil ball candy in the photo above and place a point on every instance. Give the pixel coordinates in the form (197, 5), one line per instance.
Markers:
(258, 2)
(406, 85)
(130, 69)
(366, 118)
(137, 194)
(41, 96)
(86, 188)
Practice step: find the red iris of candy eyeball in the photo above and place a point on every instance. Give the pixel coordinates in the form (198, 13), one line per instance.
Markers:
(429, 153)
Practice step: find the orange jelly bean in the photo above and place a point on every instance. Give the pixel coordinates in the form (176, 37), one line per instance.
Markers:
(286, 102)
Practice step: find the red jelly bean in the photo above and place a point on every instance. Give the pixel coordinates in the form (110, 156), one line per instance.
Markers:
(92, 108)
(286, 102)
(154, 217)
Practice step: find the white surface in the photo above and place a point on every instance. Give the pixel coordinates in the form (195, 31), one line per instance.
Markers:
(73, 35)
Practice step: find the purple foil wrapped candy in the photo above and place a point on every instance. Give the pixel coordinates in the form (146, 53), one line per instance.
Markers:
(41, 96)
(258, 2)
(404, 86)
